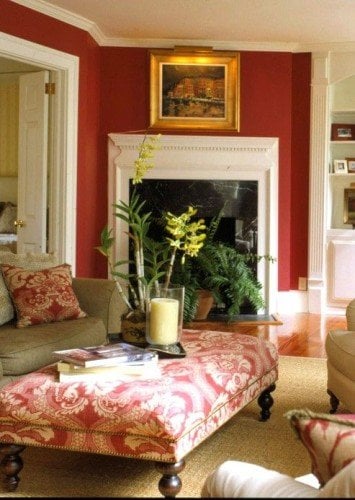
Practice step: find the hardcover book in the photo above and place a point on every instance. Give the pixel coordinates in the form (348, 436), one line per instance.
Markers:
(106, 355)
(143, 370)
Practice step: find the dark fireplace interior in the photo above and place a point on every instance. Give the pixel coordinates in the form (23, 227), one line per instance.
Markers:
(239, 224)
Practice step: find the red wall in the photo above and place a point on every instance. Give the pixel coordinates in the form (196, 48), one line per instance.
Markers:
(114, 97)
(301, 97)
(273, 86)
(91, 198)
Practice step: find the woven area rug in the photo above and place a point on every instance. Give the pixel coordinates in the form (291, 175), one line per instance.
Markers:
(273, 444)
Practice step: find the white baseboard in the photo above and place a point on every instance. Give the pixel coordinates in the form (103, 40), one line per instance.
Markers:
(295, 301)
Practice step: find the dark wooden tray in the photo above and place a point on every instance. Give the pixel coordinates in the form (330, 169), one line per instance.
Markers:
(169, 351)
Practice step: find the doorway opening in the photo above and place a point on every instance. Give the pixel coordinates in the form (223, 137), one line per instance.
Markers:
(64, 126)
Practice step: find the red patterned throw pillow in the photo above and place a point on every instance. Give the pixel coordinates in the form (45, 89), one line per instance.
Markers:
(42, 296)
(329, 440)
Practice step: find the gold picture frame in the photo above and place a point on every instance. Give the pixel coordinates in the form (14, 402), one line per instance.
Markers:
(349, 206)
(191, 88)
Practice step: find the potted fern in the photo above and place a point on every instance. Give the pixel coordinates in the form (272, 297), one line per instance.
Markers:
(225, 272)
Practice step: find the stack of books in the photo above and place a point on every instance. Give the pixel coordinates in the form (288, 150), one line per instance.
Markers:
(118, 361)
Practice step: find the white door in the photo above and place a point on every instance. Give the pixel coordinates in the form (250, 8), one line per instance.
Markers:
(32, 168)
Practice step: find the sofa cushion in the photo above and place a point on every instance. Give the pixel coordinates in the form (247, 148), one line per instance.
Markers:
(27, 260)
(42, 296)
(23, 350)
(329, 440)
(6, 307)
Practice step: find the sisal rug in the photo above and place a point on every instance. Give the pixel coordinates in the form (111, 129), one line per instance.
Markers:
(272, 444)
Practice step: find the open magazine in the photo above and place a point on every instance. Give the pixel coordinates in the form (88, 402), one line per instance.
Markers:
(106, 355)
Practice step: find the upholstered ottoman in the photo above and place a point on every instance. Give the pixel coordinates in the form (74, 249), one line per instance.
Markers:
(153, 419)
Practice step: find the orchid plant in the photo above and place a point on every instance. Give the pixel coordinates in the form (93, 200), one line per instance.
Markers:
(153, 260)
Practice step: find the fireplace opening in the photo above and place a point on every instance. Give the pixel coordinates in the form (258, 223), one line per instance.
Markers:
(238, 199)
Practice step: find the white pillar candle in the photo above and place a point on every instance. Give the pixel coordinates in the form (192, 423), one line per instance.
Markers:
(164, 320)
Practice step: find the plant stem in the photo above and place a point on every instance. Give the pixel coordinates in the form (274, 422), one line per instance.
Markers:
(139, 260)
(134, 295)
(118, 284)
(170, 268)
(124, 298)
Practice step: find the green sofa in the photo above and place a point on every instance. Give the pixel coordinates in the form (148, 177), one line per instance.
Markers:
(23, 350)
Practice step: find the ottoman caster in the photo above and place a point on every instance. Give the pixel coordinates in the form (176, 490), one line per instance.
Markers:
(334, 402)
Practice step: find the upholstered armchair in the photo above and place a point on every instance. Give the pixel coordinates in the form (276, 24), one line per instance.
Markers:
(340, 349)
(330, 443)
(234, 479)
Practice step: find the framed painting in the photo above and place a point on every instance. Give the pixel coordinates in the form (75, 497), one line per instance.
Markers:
(194, 89)
(349, 206)
(342, 132)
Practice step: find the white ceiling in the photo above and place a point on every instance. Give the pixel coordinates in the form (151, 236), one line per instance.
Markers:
(223, 24)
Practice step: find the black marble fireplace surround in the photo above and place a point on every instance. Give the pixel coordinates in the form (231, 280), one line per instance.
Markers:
(239, 200)
(239, 224)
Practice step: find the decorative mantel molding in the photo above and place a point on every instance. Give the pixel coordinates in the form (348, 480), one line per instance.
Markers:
(206, 157)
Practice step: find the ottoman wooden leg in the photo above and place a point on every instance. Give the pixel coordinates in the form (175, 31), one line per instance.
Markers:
(265, 401)
(11, 464)
(170, 484)
(334, 402)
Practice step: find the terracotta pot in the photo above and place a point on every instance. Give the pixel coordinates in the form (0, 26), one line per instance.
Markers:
(205, 302)
(133, 327)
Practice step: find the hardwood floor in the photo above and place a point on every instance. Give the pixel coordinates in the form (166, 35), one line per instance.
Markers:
(300, 334)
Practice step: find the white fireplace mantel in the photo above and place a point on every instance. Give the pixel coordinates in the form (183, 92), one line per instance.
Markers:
(205, 157)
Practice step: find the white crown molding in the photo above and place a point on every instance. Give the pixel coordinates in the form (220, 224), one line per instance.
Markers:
(165, 43)
(64, 16)
(326, 47)
(104, 41)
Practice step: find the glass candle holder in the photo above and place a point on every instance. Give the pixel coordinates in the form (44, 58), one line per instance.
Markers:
(164, 316)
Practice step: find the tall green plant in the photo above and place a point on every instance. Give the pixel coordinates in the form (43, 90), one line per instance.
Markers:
(153, 260)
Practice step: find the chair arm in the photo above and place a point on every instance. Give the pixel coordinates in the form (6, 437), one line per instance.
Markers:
(350, 315)
(235, 479)
(100, 298)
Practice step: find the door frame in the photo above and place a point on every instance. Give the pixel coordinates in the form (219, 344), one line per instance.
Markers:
(63, 132)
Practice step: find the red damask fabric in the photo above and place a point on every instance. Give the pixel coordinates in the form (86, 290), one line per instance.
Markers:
(42, 296)
(154, 419)
(329, 440)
